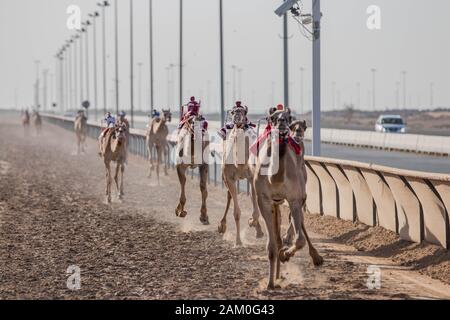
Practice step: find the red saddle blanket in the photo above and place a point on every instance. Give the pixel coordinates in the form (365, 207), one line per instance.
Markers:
(262, 138)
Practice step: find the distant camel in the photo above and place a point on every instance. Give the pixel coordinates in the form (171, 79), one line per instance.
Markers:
(234, 168)
(188, 134)
(37, 122)
(80, 127)
(26, 121)
(113, 148)
(276, 183)
(156, 137)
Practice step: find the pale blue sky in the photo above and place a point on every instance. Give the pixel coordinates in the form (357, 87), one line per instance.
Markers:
(414, 36)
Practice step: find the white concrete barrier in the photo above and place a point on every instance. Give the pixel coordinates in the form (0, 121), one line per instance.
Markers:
(413, 204)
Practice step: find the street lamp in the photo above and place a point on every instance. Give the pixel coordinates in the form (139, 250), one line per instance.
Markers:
(131, 65)
(140, 86)
(151, 55)
(94, 29)
(103, 5)
(87, 24)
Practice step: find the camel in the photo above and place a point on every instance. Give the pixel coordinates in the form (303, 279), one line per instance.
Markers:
(113, 148)
(37, 122)
(26, 121)
(156, 136)
(194, 140)
(236, 170)
(278, 178)
(80, 127)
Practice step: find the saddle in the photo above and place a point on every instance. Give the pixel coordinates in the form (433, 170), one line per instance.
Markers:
(282, 140)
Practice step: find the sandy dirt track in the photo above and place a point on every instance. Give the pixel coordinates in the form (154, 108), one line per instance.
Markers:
(52, 216)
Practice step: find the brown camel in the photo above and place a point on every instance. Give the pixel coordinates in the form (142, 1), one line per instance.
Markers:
(236, 169)
(37, 121)
(113, 148)
(156, 137)
(278, 178)
(26, 121)
(80, 127)
(192, 141)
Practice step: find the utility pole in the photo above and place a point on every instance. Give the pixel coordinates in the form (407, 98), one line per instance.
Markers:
(88, 94)
(397, 95)
(316, 78)
(131, 65)
(81, 67)
(151, 56)
(44, 103)
(222, 68)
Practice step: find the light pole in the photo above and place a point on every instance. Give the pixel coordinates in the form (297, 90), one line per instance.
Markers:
(222, 68)
(36, 99)
(140, 86)
(131, 65)
(116, 31)
(69, 74)
(52, 90)
(87, 24)
(181, 58)
(44, 76)
(302, 92)
(358, 95)
(151, 55)
(373, 88)
(81, 65)
(94, 29)
(316, 78)
(286, 60)
(103, 5)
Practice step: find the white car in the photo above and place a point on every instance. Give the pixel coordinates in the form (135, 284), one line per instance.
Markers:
(391, 124)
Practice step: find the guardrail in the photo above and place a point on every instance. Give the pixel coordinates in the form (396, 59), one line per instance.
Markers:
(435, 145)
(413, 204)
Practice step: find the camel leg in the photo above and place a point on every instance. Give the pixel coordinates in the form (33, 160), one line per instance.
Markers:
(108, 181)
(297, 215)
(265, 205)
(315, 256)
(203, 169)
(223, 223)
(277, 224)
(158, 162)
(122, 169)
(166, 154)
(179, 211)
(116, 180)
(232, 191)
(150, 158)
(254, 220)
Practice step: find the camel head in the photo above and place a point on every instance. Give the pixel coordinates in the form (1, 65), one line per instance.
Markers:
(120, 133)
(167, 115)
(298, 128)
(239, 116)
(280, 120)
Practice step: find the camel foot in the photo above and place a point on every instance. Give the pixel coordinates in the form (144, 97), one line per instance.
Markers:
(204, 220)
(182, 214)
(222, 228)
(238, 243)
(107, 200)
(166, 174)
(273, 286)
(284, 255)
(317, 259)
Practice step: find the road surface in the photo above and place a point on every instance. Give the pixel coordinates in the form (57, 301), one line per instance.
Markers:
(52, 216)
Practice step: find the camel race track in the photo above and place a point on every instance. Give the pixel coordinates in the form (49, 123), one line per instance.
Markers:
(53, 219)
